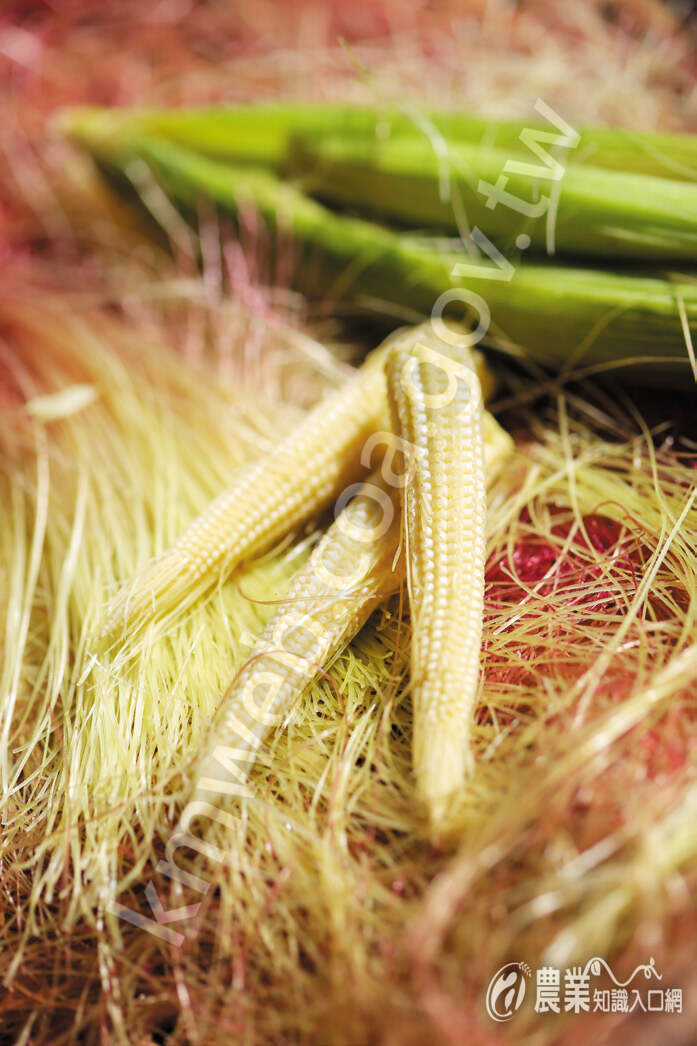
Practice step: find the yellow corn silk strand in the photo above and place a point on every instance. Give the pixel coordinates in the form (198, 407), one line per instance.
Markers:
(436, 400)
(349, 573)
(271, 497)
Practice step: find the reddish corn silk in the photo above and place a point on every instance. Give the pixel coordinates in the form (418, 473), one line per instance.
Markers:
(536, 558)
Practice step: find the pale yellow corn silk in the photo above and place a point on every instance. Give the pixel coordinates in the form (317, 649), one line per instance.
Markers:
(91, 485)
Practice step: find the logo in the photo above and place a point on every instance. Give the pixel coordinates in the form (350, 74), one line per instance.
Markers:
(577, 992)
(506, 991)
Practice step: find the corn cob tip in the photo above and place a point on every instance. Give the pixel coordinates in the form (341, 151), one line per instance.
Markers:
(442, 764)
(163, 583)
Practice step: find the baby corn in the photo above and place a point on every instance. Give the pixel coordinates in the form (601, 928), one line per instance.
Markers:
(355, 566)
(436, 402)
(273, 496)
(347, 576)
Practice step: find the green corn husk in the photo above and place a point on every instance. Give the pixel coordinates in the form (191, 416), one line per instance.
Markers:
(262, 134)
(560, 317)
(589, 212)
(407, 177)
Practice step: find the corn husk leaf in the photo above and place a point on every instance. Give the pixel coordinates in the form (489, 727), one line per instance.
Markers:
(262, 133)
(610, 319)
(587, 211)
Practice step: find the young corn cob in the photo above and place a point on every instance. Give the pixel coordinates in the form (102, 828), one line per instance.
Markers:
(609, 319)
(351, 570)
(436, 403)
(271, 497)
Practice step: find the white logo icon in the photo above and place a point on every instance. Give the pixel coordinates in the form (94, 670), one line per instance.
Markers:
(506, 991)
